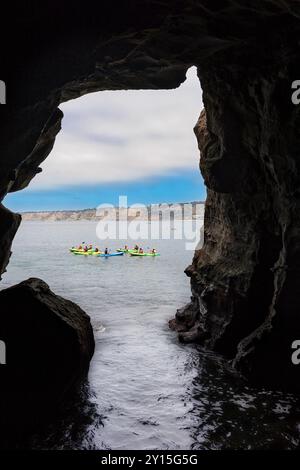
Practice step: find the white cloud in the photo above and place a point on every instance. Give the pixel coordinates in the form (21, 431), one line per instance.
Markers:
(114, 136)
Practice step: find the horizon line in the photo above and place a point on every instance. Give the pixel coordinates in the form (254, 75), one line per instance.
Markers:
(109, 206)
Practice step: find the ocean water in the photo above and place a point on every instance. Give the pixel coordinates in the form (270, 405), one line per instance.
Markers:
(145, 389)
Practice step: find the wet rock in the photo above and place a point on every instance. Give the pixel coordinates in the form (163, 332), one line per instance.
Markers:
(245, 279)
(8, 227)
(49, 345)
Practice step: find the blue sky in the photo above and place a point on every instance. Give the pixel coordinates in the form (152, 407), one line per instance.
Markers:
(135, 143)
(186, 188)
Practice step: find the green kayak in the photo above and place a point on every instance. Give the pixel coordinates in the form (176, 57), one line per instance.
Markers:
(144, 254)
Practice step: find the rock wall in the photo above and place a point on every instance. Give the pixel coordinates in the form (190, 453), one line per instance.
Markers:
(245, 278)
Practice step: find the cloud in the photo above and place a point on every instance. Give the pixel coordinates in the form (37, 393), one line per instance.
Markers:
(119, 136)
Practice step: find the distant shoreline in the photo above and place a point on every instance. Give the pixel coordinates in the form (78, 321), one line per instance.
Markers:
(191, 210)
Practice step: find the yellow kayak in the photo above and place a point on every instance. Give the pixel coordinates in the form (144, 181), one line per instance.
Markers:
(86, 253)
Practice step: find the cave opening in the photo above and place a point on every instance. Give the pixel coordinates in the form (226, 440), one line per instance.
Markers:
(138, 143)
(97, 156)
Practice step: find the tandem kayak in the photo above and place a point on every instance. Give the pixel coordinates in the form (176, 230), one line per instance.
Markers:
(107, 255)
(87, 253)
(144, 254)
(73, 250)
(76, 250)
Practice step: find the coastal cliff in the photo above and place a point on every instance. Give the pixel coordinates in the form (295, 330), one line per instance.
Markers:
(180, 211)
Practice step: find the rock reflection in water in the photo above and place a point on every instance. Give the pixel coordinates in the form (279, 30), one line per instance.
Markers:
(229, 414)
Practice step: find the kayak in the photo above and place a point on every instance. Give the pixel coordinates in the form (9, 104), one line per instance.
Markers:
(75, 250)
(87, 253)
(107, 255)
(144, 254)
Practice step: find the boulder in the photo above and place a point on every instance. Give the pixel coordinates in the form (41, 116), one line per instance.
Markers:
(49, 344)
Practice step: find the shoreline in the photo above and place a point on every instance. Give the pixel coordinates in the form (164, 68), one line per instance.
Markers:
(151, 213)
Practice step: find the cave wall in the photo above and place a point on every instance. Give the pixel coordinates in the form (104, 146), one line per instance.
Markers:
(245, 278)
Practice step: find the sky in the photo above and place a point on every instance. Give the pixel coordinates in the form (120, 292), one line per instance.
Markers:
(138, 143)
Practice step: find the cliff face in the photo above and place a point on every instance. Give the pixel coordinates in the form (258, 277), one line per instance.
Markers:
(148, 213)
(245, 278)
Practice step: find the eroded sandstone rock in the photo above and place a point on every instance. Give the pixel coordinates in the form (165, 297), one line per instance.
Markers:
(49, 345)
(245, 279)
(8, 228)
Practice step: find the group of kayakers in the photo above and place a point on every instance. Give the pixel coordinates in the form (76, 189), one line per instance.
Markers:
(89, 248)
(138, 249)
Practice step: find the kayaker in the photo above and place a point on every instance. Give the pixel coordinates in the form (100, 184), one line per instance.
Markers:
(153, 251)
(96, 249)
(80, 247)
(85, 249)
(136, 248)
(106, 251)
(141, 250)
(126, 248)
(90, 247)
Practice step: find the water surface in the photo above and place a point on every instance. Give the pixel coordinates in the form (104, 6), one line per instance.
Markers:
(148, 391)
